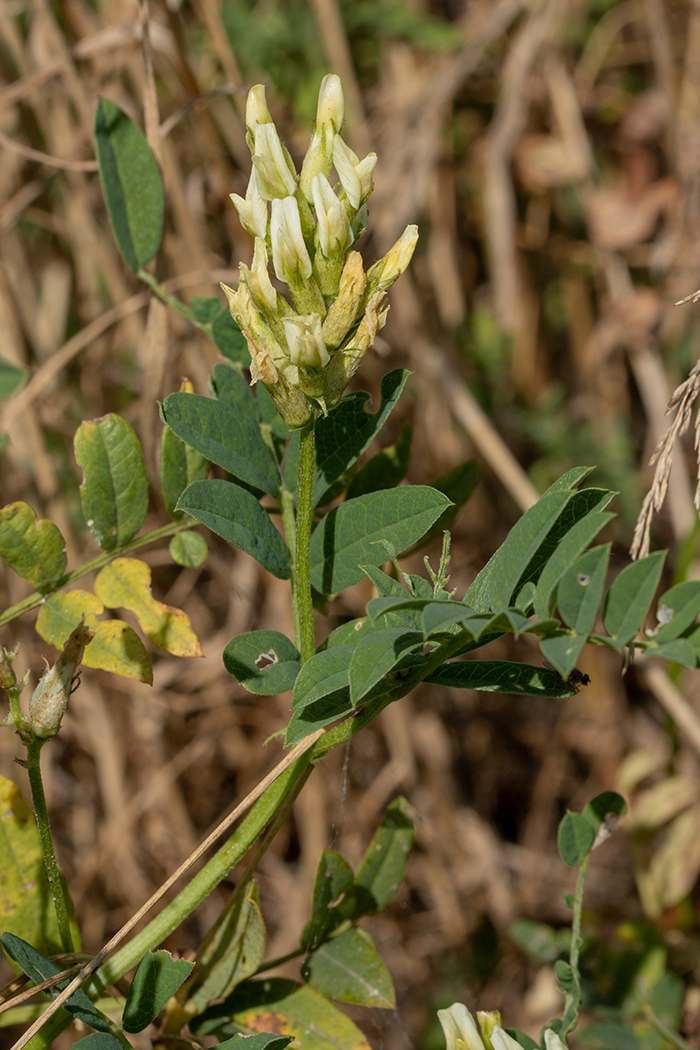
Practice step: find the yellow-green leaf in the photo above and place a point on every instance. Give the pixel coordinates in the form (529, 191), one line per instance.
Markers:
(118, 649)
(61, 613)
(127, 583)
(26, 908)
(35, 549)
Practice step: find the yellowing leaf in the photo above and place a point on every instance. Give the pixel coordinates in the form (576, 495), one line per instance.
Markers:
(35, 549)
(25, 901)
(61, 613)
(126, 583)
(118, 649)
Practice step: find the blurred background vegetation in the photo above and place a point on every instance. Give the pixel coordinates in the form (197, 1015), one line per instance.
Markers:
(550, 152)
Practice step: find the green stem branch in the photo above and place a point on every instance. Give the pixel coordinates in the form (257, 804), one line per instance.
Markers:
(32, 601)
(56, 885)
(306, 641)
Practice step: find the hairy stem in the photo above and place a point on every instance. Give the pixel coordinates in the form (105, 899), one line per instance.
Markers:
(56, 884)
(306, 640)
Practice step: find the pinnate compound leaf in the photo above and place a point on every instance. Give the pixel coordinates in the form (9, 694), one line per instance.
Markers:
(571, 547)
(348, 968)
(383, 865)
(126, 584)
(233, 954)
(114, 491)
(333, 900)
(575, 838)
(287, 1008)
(501, 676)
(157, 978)
(25, 899)
(227, 434)
(115, 648)
(628, 600)
(235, 514)
(344, 434)
(346, 537)
(264, 662)
(188, 549)
(180, 464)
(374, 657)
(324, 675)
(34, 549)
(131, 185)
(38, 968)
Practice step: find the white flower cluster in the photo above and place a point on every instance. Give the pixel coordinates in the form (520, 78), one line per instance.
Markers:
(307, 351)
(461, 1032)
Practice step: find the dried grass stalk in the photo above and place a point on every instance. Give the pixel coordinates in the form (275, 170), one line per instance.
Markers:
(682, 401)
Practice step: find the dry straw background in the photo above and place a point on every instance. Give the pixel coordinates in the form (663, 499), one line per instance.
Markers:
(550, 153)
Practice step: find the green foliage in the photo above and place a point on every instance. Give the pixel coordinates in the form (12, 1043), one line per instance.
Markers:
(131, 184)
(157, 978)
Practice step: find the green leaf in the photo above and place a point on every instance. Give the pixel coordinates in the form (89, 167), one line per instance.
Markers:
(230, 385)
(532, 541)
(114, 491)
(333, 900)
(11, 377)
(232, 952)
(375, 655)
(384, 863)
(603, 812)
(324, 675)
(344, 434)
(231, 512)
(226, 434)
(501, 676)
(157, 978)
(180, 465)
(131, 185)
(609, 1035)
(539, 940)
(677, 610)
(188, 549)
(680, 651)
(35, 550)
(38, 968)
(285, 1007)
(264, 1041)
(314, 715)
(581, 588)
(628, 600)
(345, 538)
(264, 662)
(348, 968)
(25, 899)
(98, 1041)
(574, 839)
(571, 547)
(206, 308)
(386, 469)
(563, 650)
(223, 329)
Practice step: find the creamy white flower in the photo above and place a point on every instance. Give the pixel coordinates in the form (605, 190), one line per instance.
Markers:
(333, 225)
(275, 171)
(552, 1041)
(329, 118)
(256, 111)
(460, 1028)
(290, 256)
(252, 210)
(258, 277)
(331, 103)
(384, 272)
(355, 175)
(500, 1040)
(305, 341)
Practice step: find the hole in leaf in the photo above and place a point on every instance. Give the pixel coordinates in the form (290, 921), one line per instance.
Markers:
(268, 659)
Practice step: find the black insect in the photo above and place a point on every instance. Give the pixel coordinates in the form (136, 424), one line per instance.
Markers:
(576, 678)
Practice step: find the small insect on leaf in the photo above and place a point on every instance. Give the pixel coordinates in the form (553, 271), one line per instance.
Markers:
(576, 678)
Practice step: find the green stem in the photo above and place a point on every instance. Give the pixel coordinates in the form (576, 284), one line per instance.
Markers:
(172, 301)
(306, 641)
(576, 939)
(670, 1036)
(34, 745)
(32, 601)
(249, 830)
(290, 534)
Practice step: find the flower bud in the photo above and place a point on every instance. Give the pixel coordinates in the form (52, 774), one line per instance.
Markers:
(253, 210)
(329, 119)
(8, 678)
(333, 229)
(305, 341)
(384, 272)
(273, 165)
(355, 175)
(50, 698)
(258, 279)
(290, 256)
(344, 309)
(256, 111)
(345, 361)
